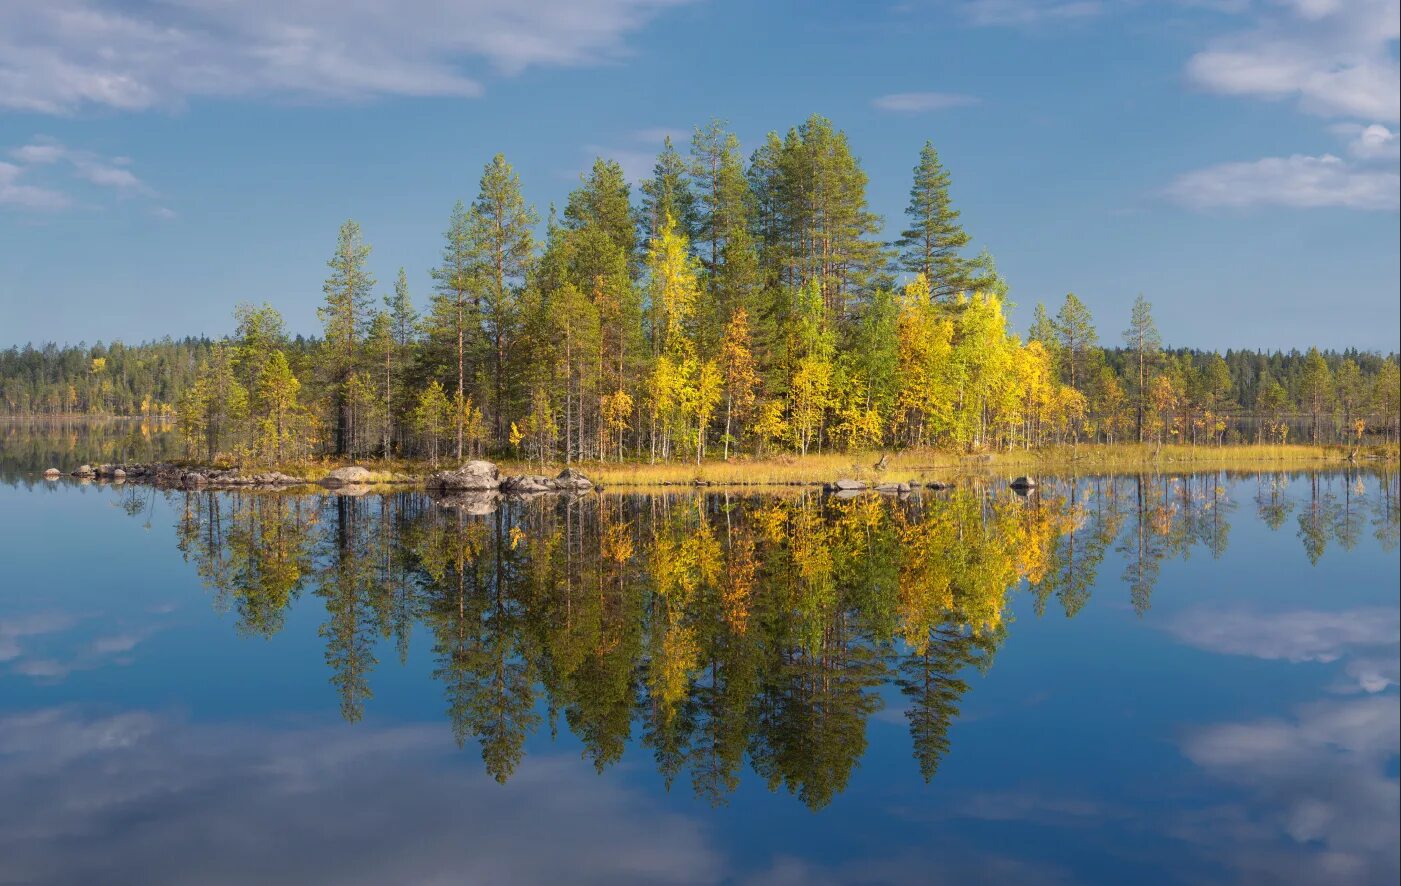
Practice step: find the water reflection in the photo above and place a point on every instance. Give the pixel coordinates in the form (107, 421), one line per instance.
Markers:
(721, 630)
(30, 445)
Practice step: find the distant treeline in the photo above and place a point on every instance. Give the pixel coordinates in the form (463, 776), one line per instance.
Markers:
(733, 304)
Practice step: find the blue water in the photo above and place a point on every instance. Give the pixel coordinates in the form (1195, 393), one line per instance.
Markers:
(1233, 719)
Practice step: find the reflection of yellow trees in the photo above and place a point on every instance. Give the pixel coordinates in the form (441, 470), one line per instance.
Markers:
(721, 627)
(253, 551)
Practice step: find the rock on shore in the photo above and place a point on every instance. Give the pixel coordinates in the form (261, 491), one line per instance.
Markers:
(483, 476)
(476, 475)
(346, 476)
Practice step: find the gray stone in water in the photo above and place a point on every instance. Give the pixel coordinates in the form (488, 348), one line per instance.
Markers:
(475, 475)
(1023, 483)
(570, 479)
(53, 474)
(848, 485)
(528, 484)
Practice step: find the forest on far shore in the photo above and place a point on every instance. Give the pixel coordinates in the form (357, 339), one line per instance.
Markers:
(732, 305)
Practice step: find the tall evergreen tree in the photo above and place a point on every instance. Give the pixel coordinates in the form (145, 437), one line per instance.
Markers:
(1143, 339)
(1076, 331)
(456, 305)
(724, 207)
(403, 329)
(603, 202)
(668, 193)
(344, 314)
(930, 246)
(499, 233)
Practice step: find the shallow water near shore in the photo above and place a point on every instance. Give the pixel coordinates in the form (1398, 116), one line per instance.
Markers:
(1157, 679)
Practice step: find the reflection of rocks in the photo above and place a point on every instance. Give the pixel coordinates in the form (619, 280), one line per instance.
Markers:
(475, 503)
(52, 474)
(1022, 483)
(350, 489)
(893, 488)
(175, 476)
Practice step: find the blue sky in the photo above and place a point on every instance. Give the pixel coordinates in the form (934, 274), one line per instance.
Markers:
(1233, 160)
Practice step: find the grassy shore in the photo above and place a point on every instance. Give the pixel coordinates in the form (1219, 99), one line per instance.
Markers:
(921, 465)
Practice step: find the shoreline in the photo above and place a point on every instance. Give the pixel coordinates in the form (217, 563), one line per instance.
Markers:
(915, 468)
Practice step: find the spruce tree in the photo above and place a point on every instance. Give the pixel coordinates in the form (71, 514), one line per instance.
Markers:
(930, 246)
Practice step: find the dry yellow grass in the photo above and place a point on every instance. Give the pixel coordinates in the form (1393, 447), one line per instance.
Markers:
(925, 465)
(920, 465)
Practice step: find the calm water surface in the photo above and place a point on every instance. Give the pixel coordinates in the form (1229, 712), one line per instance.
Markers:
(1152, 680)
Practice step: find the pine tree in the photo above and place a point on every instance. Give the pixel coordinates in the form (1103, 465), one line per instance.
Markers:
(380, 346)
(723, 211)
(1076, 332)
(1142, 337)
(275, 402)
(348, 292)
(668, 193)
(502, 249)
(454, 315)
(1315, 389)
(403, 330)
(602, 202)
(930, 246)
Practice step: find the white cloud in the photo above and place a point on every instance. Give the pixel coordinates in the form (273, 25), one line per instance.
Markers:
(1297, 181)
(1367, 637)
(167, 801)
(1374, 142)
(60, 56)
(1016, 13)
(17, 628)
(14, 192)
(1320, 807)
(48, 158)
(919, 102)
(1336, 57)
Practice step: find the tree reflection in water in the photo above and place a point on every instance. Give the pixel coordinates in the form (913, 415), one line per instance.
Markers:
(718, 626)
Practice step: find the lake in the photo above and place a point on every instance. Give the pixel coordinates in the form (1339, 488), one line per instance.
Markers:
(1155, 679)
